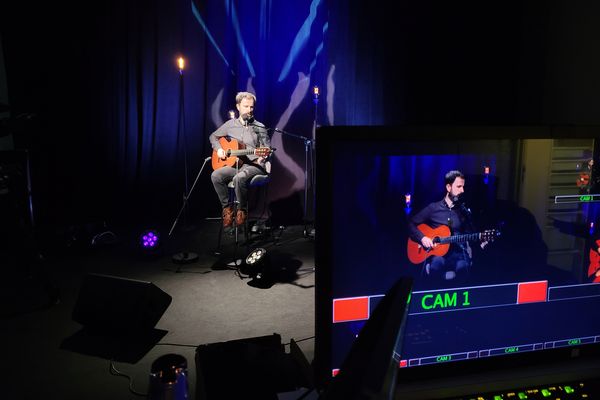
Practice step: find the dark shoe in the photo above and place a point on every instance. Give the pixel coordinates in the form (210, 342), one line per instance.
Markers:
(240, 217)
(227, 216)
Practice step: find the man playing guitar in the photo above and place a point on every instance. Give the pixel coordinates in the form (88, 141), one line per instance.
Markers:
(452, 215)
(248, 134)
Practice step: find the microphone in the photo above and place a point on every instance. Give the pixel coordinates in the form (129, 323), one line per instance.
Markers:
(465, 209)
(248, 117)
(460, 202)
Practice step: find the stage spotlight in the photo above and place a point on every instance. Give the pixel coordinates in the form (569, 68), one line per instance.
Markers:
(149, 240)
(255, 256)
(257, 263)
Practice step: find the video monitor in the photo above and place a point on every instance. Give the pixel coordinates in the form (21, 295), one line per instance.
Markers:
(497, 227)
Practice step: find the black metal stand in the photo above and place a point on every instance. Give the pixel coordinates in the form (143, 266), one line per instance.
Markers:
(311, 232)
(23, 247)
(181, 129)
(186, 257)
(308, 144)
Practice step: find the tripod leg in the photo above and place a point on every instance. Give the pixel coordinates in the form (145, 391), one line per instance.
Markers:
(219, 238)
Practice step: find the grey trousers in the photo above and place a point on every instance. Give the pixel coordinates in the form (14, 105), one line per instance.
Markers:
(222, 176)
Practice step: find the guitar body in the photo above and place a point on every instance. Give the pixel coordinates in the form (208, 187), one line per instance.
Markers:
(233, 149)
(583, 180)
(442, 238)
(417, 253)
(227, 145)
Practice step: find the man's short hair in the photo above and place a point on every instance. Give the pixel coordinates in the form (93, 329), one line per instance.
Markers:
(451, 176)
(244, 95)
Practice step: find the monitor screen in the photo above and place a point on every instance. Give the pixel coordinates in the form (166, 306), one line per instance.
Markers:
(495, 225)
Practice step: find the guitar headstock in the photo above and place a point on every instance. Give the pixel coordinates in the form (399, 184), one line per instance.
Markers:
(489, 235)
(262, 151)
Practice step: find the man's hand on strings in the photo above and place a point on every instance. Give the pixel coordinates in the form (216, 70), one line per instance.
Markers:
(427, 242)
(221, 154)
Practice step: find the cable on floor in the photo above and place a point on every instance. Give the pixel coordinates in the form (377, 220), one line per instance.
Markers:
(115, 372)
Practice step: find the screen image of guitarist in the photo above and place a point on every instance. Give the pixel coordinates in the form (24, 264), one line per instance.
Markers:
(440, 233)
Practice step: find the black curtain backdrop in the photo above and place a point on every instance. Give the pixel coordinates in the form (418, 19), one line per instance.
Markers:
(108, 139)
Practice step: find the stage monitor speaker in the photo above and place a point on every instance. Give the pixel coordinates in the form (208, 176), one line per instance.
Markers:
(251, 368)
(119, 306)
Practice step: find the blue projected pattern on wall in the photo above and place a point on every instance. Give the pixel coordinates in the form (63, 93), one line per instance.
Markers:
(276, 51)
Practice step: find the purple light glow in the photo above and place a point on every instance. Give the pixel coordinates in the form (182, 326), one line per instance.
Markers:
(149, 239)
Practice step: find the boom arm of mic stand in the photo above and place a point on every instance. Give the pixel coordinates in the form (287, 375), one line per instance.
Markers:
(187, 196)
(306, 140)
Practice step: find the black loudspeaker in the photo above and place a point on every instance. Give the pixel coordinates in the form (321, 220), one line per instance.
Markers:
(120, 306)
(251, 368)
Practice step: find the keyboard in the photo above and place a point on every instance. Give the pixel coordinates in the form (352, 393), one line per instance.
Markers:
(565, 391)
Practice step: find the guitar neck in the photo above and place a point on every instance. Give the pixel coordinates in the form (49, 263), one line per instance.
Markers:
(240, 152)
(460, 238)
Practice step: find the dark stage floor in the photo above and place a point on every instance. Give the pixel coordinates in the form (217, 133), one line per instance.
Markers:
(47, 355)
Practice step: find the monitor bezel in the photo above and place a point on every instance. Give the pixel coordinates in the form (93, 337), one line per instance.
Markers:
(330, 137)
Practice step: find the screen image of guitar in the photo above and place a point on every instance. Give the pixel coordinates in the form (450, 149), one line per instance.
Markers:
(583, 180)
(443, 238)
(234, 149)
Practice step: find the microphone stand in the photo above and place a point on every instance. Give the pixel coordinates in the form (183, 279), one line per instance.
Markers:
(185, 257)
(308, 143)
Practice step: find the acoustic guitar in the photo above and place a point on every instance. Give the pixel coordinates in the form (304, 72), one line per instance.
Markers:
(583, 180)
(234, 149)
(441, 235)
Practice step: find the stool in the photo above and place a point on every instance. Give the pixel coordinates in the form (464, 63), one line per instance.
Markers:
(260, 180)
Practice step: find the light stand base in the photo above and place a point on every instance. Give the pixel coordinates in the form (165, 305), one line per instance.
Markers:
(309, 232)
(185, 257)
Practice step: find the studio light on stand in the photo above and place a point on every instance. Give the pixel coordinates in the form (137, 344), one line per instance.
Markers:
(181, 129)
(316, 94)
(184, 257)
